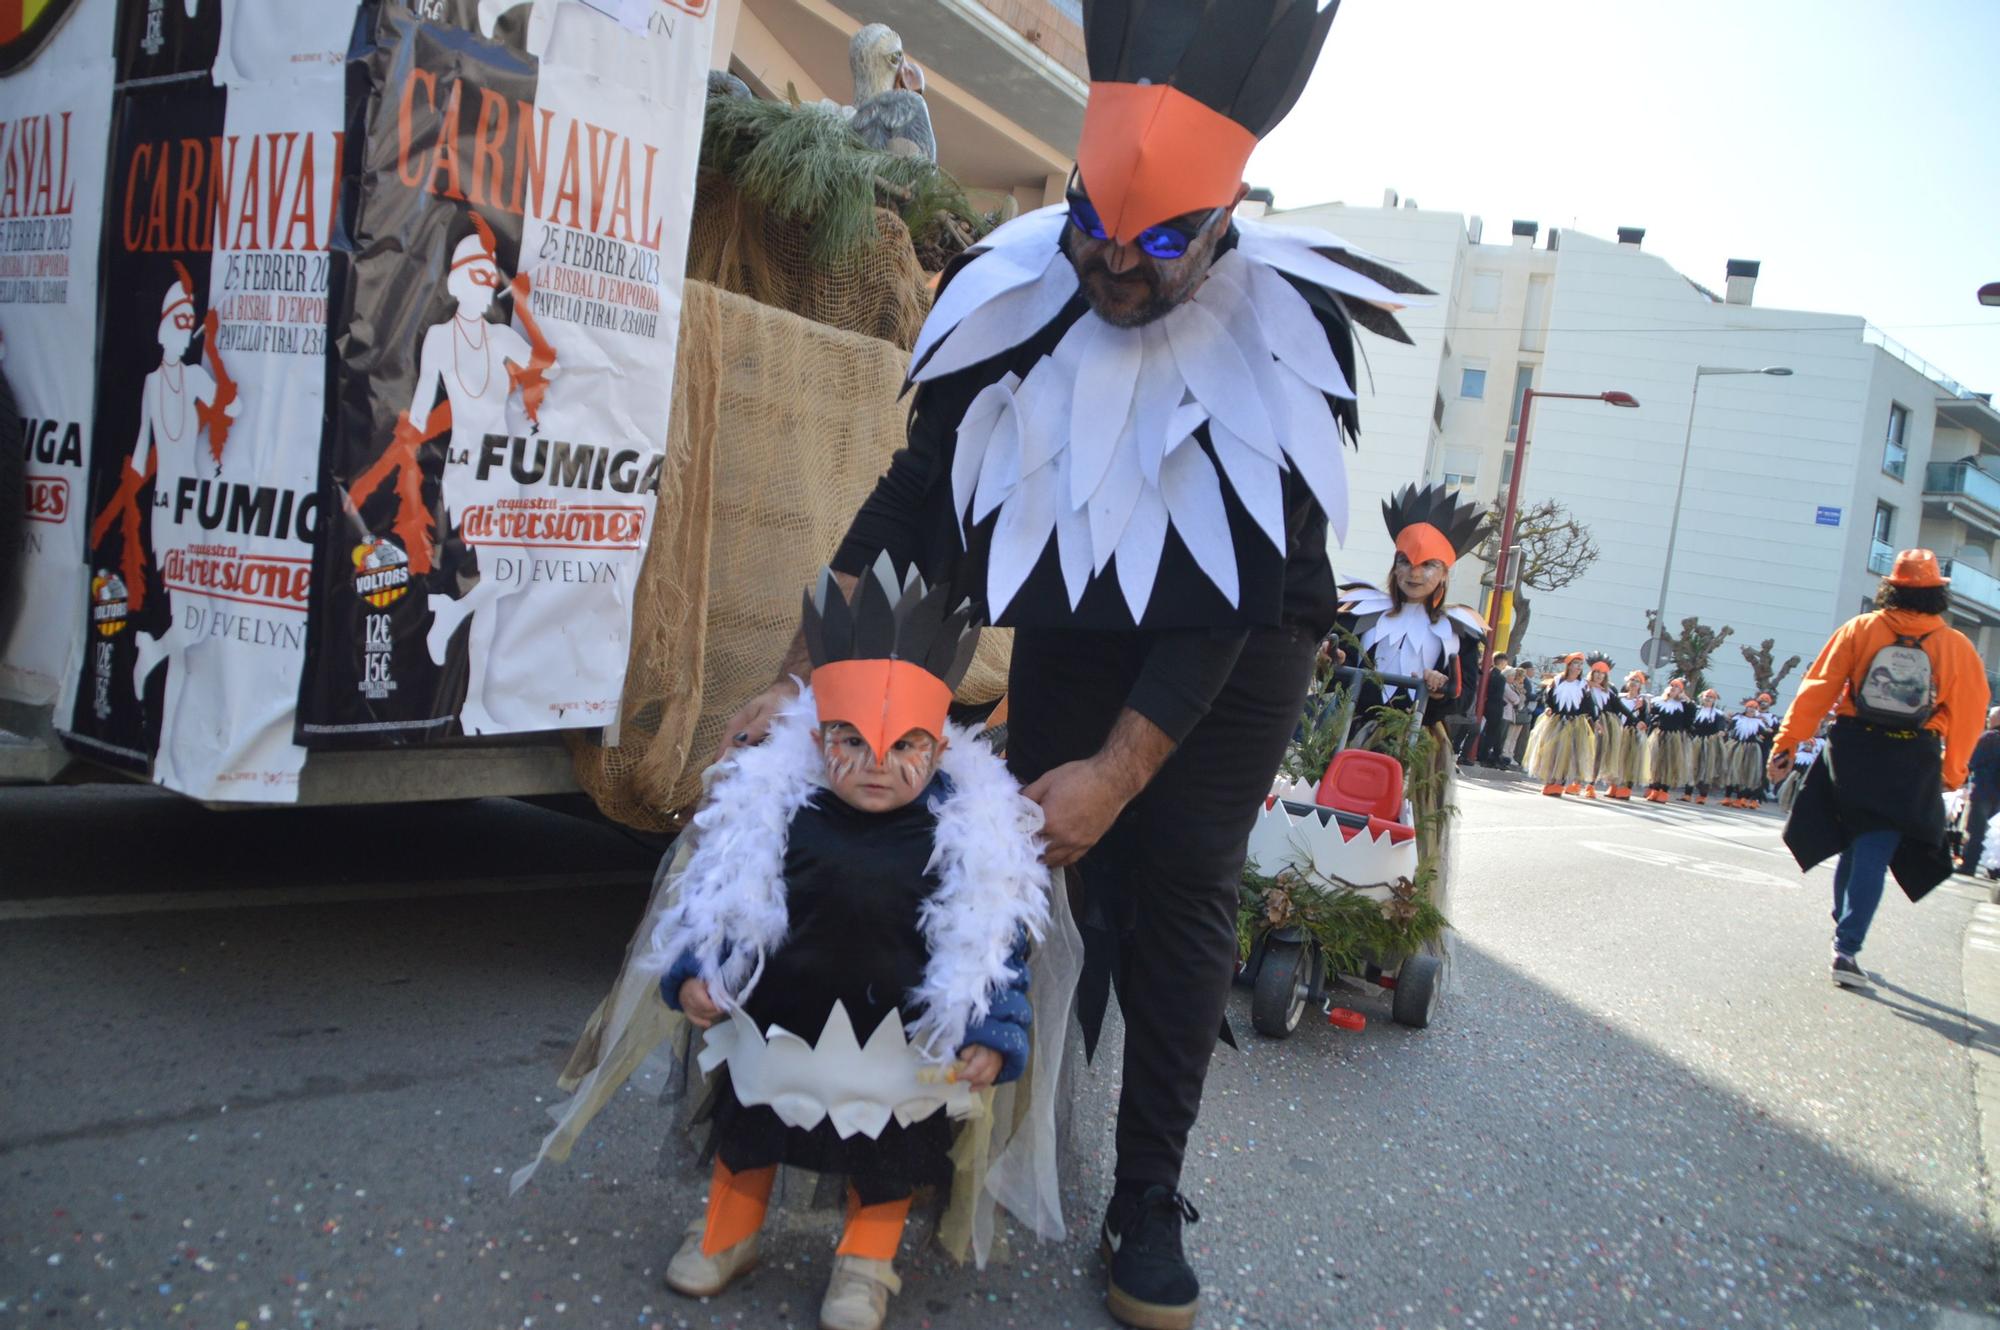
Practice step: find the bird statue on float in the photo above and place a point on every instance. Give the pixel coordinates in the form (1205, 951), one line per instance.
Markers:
(890, 113)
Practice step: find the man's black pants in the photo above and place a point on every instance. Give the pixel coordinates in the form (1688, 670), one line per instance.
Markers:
(1167, 876)
(1979, 809)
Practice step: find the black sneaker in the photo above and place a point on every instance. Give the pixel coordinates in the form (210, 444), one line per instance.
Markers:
(1848, 974)
(1152, 1285)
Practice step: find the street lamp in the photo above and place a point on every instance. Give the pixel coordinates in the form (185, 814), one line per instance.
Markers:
(1656, 643)
(1989, 294)
(1503, 558)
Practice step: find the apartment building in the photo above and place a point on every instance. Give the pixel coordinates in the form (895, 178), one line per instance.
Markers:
(1798, 487)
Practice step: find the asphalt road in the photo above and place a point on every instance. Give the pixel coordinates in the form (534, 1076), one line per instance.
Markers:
(273, 1070)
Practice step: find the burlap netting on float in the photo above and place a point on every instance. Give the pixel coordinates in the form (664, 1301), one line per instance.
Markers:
(740, 245)
(780, 428)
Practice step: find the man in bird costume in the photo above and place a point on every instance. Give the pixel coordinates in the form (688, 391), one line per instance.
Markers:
(1126, 444)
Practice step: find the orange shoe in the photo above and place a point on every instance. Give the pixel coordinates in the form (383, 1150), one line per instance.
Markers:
(1573, 788)
(1686, 797)
(1621, 792)
(1657, 796)
(1553, 789)
(1590, 791)
(1702, 799)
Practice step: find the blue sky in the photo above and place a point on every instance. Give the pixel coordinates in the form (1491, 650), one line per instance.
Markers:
(1854, 148)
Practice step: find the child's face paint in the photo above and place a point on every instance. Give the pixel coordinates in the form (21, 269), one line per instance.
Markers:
(878, 787)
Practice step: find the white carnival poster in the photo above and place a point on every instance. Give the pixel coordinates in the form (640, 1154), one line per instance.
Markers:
(235, 548)
(494, 441)
(55, 130)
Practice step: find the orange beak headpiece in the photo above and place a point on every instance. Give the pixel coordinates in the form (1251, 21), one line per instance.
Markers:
(1599, 663)
(887, 664)
(1432, 523)
(1180, 92)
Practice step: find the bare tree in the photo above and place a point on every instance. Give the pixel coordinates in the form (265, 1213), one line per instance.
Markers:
(1768, 678)
(1553, 549)
(1693, 648)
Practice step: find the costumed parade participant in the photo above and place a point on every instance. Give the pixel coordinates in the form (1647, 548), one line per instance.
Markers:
(1802, 759)
(1743, 763)
(1608, 708)
(1669, 747)
(1408, 630)
(1628, 738)
(1562, 749)
(1126, 444)
(1710, 749)
(850, 920)
(1909, 698)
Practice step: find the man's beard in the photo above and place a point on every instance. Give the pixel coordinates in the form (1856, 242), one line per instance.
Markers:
(1158, 303)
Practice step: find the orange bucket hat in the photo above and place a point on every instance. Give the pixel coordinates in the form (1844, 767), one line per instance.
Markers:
(1917, 568)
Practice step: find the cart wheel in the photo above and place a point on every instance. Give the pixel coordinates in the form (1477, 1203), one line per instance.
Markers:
(1417, 985)
(1284, 983)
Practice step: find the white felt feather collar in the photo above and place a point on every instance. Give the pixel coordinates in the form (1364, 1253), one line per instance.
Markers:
(1400, 634)
(731, 910)
(1092, 446)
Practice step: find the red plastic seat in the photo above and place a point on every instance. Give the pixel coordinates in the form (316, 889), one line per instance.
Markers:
(1370, 784)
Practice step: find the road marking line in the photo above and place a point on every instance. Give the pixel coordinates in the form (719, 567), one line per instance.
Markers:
(332, 893)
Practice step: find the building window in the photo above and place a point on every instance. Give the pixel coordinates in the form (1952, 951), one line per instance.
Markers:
(1535, 314)
(1482, 293)
(1507, 467)
(1524, 379)
(1472, 383)
(1461, 467)
(1895, 450)
(1885, 524)
(1437, 411)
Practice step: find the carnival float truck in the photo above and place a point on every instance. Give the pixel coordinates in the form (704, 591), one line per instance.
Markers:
(424, 401)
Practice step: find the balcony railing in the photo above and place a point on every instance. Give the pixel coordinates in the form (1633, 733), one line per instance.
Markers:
(1963, 478)
(1974, 584)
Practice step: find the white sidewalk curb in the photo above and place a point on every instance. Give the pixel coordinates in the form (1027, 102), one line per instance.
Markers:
(1981, 970)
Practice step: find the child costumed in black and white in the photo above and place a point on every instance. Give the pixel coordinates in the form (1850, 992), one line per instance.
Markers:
(849, 919)
(1743, 777)
(1627, 738)
(1563, 749)
(1802, 759)
(1605, 729)
(1711, 749)
(1406, 629)
(1669, 747)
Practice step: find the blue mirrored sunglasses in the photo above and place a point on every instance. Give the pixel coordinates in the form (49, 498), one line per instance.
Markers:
(1167, 240)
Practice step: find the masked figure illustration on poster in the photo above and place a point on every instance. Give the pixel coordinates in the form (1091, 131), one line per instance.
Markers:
(55, 128)
(511, 251)
(483, 368)
(163, 411)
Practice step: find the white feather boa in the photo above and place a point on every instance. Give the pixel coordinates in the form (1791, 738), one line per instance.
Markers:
(987, 857)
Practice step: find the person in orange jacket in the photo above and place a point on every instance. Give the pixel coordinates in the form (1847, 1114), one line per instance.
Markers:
(1909, 697)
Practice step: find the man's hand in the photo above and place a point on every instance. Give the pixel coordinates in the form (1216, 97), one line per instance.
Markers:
(1780, 766)
(978, 1066)
(697, 1006)
(750, 724)
(1080, 801)
(1435, 681)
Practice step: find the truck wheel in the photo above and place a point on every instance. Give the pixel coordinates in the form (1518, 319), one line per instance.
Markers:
(1284, 982)
(1417, 987)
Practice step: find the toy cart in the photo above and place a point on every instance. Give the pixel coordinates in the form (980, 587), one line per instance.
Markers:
(1356, 829)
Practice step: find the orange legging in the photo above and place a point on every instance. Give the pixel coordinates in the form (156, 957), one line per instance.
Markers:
(737, 1203)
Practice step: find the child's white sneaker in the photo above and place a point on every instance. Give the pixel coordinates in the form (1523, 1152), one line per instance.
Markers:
(699, 1275)
(857, 1297)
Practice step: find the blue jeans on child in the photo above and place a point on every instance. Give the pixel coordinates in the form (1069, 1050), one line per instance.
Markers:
(1857, 886)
